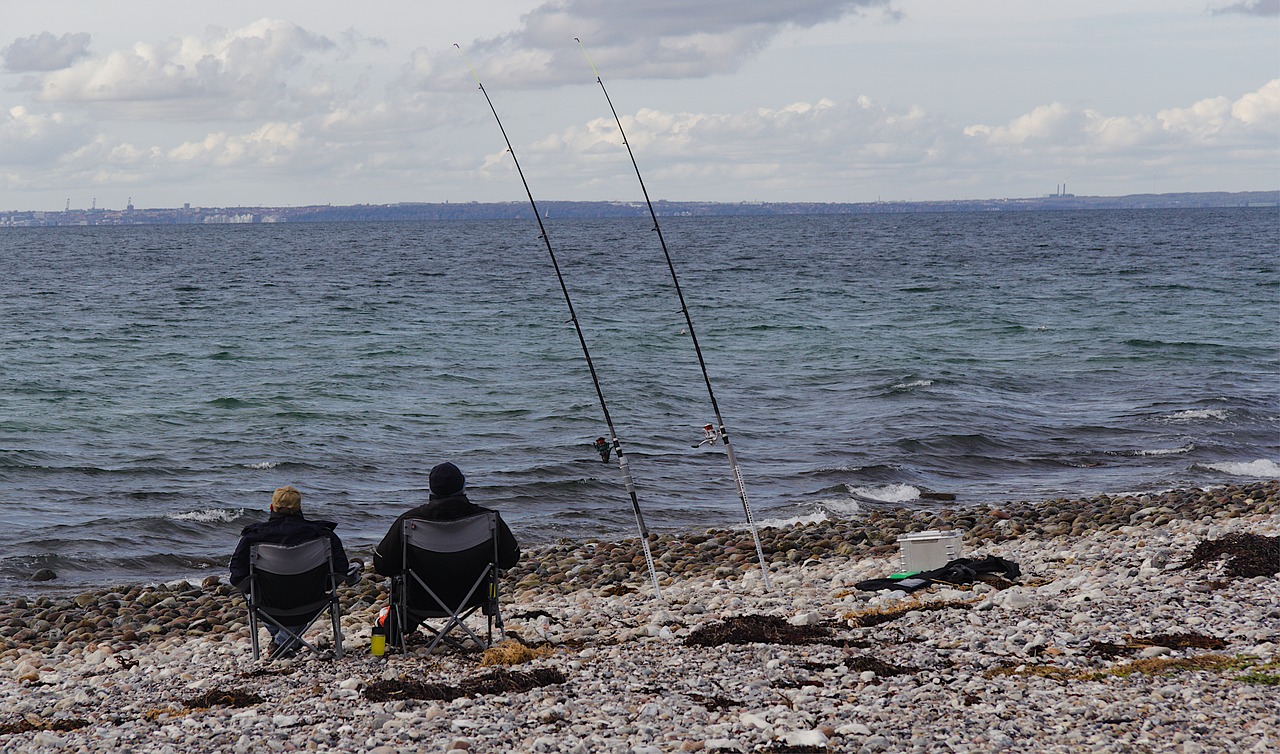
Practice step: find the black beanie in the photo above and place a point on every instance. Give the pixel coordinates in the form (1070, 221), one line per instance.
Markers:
(446, 479)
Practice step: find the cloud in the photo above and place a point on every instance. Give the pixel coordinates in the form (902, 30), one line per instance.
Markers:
(1253, 120)
(659, 39)
(797, 151)
(43, 52)
(273, 144)
(235, 73)
(28, 138)
(1250, 8)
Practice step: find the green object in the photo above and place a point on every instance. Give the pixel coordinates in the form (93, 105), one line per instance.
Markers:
(905, 575)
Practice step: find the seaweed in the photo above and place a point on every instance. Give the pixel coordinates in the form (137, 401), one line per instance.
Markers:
(714, 702)
(500, 681)
(1248, 555)
(753, 629)
(863, 663)
(514, 653)
(28, 724)
(796, 683)
(1178, 641)
(1172, 641)
(878, 617)
(223, 698)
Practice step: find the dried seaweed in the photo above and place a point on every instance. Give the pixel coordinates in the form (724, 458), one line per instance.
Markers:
(1108, 650)
(223, 698)
(1178, 641)
(714, 701)
(500, 681)
(878, 617)
(1248, 555)
(1172, 641)
(27, 724)
(755, 629)
(796, 683)
(863, 663)
(268, 670)
(514, 653)
(1162, 665)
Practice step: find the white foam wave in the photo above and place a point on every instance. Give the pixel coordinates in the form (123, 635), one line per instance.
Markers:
(262, 465)
(213, 515)
(1198, 414)
(909, 385)
(1166, 451)
(782, 523)
(889, 493)
(1261, 468)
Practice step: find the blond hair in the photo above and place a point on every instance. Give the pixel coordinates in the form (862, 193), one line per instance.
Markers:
(286, 500)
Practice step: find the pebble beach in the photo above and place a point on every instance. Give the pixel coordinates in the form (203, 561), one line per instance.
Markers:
(1139, 624)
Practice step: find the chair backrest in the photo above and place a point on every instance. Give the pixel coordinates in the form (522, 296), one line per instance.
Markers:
(289, 576)
(449, 556)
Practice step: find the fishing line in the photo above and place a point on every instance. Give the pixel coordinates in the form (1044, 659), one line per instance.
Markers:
(723, 432)
(573, 317)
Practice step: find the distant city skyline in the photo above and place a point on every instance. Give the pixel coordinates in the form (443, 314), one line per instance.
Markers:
(281, 103)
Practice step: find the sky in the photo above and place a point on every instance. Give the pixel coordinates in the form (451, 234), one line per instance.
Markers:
(301, 102)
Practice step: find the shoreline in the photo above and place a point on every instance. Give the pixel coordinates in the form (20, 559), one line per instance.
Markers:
(1097, 572)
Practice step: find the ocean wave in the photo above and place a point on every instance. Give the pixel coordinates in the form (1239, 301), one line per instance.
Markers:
(212, 515)
(1262, 468)
(1197, 414)
(1156, 452)
(888, 493)
(262, 465)
(911, 385)
(782, 523)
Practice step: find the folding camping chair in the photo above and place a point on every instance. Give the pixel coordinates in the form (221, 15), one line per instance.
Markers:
(449, 570)
(291, 585)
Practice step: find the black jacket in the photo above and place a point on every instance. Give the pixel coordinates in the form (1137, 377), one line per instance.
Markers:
(390, 551)
(285, 529)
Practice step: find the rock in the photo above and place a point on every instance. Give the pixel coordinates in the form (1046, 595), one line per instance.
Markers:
(811, 618)
(805, 738)
(853, 729)
(44, 574)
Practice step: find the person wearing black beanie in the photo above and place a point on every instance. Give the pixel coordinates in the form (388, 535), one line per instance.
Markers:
(447, 502)
(445, 480)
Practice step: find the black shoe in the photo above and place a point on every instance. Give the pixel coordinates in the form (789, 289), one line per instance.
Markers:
(282, 651)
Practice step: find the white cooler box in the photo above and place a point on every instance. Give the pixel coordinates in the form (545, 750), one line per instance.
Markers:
(927, 550)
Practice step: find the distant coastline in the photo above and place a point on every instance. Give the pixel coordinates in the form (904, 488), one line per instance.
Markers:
(418, 211)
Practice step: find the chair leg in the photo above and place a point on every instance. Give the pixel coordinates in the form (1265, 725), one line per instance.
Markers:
(334, 610)
(253, 633)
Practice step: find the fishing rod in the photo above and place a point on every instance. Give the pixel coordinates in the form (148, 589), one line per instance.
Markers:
(573, 317)
(723, 432)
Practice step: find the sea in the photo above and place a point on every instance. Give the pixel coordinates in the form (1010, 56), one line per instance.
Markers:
(158, 382)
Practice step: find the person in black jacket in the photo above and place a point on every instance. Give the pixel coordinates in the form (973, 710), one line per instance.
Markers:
(447, 502)
(287, 526)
